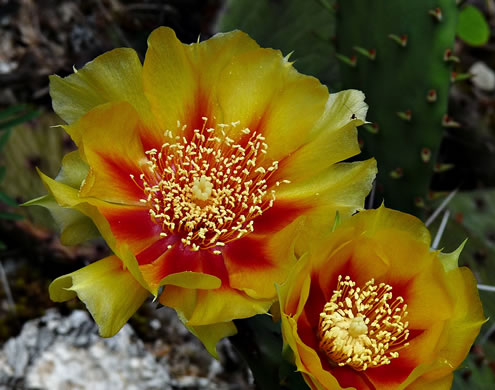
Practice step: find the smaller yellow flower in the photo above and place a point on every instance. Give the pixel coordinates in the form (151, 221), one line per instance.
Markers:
(373, 307)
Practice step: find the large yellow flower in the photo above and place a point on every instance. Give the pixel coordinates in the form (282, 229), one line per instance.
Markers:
(372, 307)
(199, 168)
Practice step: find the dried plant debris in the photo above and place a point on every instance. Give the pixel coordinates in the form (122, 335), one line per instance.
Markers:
(39, 38)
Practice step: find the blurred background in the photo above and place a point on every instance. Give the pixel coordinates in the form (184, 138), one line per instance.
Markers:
(427, 69)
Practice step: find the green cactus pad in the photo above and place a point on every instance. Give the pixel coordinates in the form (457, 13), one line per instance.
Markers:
(305, 28)
(400, 48)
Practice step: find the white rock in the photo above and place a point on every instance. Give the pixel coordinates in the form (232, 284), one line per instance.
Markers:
(483, 76)
(66, 353)
(76, 358)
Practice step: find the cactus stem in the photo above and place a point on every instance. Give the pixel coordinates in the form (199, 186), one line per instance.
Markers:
(397, 173)
(405, 115)
(449, 57)
(432, 96)
(330, 8)
(401, 40)
(437, 14)
(439, 167)
(426, 154)
(369, 53)
(372, 128)
(351, 61)
(447, 121)
(419, 202)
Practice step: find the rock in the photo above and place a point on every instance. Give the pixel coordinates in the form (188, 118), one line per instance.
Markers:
(483, 76)
(66, 353)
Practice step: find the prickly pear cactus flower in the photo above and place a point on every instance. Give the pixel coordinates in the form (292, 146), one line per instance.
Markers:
(199, 168)
(372, 307)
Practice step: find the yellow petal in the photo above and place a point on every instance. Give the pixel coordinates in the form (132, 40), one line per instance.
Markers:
(306, 359)
(225, 304)
(110, 293)
(385, 219)
(259, 281)
(271, 98)
(294, 292)
(444, 383)
(112, 77)
(450, 261)
(112, 147)
(428, 301)
(343, 108)
(464, 325)
(342, 187)
(204, 307)
(210, 335)
(184, 302)
(169, 78)
(187, 279)
(210, 57)
(332, 139)
(179, 78)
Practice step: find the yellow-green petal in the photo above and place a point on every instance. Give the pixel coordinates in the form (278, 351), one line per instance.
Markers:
(67, 196)
(75, 227)
(110, 292)
(74, 170)
(112, 77)
(210, 335)
(333, 137)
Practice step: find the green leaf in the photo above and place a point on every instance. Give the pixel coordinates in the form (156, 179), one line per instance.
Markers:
(7, 200)
(472, 26)
(3, 170)
(11, 111)
(4, 138)
(17, 121)
(11, 216)
(2, 246)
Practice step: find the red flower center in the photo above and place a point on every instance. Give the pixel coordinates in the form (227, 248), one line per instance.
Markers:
(209, 188)
(363, 327)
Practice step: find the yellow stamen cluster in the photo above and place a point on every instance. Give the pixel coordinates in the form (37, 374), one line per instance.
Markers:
(363, 327)
(208, 188)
